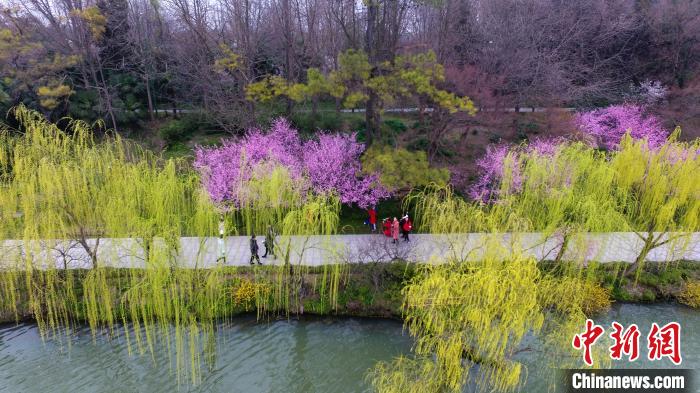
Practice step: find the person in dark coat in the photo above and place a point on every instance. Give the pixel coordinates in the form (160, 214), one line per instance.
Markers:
(269, 242)
(254, 250)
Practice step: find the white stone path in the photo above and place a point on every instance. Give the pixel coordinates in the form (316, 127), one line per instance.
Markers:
(319, 250)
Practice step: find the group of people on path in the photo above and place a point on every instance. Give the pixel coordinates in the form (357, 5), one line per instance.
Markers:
(269, 244)
(391, 228)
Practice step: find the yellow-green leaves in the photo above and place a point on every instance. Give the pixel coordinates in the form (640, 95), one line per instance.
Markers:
(402, 170)
(659, 189)
(28, 66)
(478, 313)
(690, 295)
(408, 76)
(229, 61)
(267, 89)
(94, 19)
(51, 95)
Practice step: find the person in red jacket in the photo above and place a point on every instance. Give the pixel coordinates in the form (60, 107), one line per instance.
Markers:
(372, 219)
(386, 227)
(406, 227)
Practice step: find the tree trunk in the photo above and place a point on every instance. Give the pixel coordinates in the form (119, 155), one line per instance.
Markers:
(92, 253)
(649, 244)
(371, 112)
(108, 97)
(372, 118)
(148, 97)
(288, 50)
(562, 250)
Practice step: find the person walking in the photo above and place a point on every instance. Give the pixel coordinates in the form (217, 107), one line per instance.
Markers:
(254, 250)
(269, 242)
(222, 245)
(395, 231)
(386, 227)
(406, 227)
(372, 219)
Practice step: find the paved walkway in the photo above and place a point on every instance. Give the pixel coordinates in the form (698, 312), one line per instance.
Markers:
(319, 250)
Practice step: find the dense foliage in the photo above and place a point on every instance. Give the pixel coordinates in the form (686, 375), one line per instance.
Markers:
(401, 170)
(469, 312)
(691, 294)
(500, 165)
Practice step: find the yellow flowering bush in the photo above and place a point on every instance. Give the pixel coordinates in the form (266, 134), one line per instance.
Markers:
(690, 294)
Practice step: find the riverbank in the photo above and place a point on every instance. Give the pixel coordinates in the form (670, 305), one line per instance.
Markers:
(362, 290)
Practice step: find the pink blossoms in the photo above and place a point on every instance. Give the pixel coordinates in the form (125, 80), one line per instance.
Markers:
(608, 125)
(492, 167)
(329, 164)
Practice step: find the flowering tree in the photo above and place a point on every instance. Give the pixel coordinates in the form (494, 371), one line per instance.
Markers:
(503, 162)
(607, 126)
(329, 164)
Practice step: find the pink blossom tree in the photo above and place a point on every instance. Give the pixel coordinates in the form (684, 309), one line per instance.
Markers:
(502, 159)
(329, 164)
(607, 126)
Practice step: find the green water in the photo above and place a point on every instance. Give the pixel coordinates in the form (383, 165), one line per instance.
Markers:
(311, 355)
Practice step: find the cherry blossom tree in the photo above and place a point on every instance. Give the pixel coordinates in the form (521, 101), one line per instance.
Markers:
(329, 163)
(504, 160)
(607, 126)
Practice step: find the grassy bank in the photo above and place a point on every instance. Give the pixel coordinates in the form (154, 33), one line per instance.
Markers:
(367, 290)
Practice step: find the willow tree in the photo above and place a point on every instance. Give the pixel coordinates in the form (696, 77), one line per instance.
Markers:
(129, 209)
(470, 316)
(659, 191)
(563, 193)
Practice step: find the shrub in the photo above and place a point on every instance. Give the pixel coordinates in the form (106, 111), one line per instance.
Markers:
(421, 143)
(690, 294)
(395, 125)
(178, 130)
(648, 295)
(597, 299)
(246, 293)
(308, 123)
(401, 170)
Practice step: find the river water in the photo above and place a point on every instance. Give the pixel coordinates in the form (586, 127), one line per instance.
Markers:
(308, 355)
